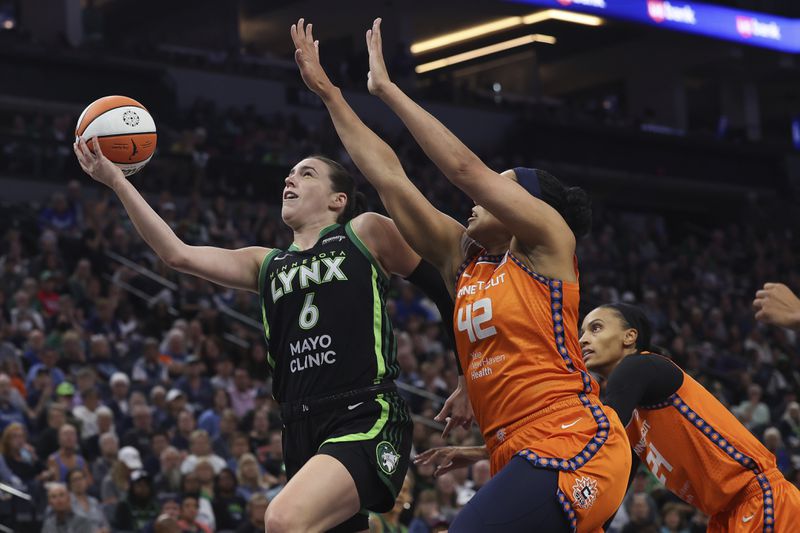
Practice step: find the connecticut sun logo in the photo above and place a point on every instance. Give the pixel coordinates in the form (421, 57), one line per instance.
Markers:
(584, 492)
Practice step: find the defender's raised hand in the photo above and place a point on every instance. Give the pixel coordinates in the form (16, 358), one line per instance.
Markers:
(306, 55)
(378, 76)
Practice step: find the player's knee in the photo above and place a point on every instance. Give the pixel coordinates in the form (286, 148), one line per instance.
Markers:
(281, 518)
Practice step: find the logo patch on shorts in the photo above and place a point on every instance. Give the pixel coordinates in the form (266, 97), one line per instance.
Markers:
(388, 458)
(584, 492)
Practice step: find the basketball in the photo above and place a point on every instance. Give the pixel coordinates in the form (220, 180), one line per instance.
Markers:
(124, 129)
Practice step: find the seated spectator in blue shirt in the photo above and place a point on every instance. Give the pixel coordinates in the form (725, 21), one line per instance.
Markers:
(49, 358)
(210, 418)
(194, 384)
(149, 369)
(10, 409)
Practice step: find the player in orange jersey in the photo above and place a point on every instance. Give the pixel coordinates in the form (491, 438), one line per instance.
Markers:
(560, 459)
(689, 440)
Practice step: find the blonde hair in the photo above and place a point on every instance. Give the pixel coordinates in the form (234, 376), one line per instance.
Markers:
(5, 442)
(247, 457)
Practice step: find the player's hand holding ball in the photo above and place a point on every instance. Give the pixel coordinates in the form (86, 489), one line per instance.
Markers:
(115, 137)
(96, 164)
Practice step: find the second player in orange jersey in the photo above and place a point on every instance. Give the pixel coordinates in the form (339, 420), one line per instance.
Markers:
(689, 440)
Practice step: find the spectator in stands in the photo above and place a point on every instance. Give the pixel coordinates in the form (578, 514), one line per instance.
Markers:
(250, 479)
(426, 513)
(61, 518)
(169, 476)
(109, 448)
(186, 425)
(190, 484)
(200, 450)
(48, 438)
(188, 521)
(141, 433)
(673, 518)
(243, 393)
(120, 388)
(139, 507)
(33, 347)
(209, 420)
(19, 455)
(223, 373)
(753, 413)
(223, 442)
(176, 404)
(49, 358)
(229, 507)
(149, 369)
(256, 509)
(67, 458)
(105, 424)
(642, 515)
(59, 216)
(85, 505)
(773, 441)
(116, 484)
(12, 406)
(24, 318)
(790, 425)
(87, 413)
(194, 384)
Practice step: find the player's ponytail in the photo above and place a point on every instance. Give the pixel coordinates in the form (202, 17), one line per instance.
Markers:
(342, 181)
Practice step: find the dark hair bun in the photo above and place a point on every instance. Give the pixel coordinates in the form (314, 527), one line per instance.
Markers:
(578, 211)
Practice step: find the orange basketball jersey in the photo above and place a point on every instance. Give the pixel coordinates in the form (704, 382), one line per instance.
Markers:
(517, 337)
(701, 452)
(516, 333)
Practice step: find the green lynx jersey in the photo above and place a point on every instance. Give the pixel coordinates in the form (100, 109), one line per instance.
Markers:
(325, 317)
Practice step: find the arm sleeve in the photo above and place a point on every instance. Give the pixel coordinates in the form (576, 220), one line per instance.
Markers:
(641, 379)
(429, 281)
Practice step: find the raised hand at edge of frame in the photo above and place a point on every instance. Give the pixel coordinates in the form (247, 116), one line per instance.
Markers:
(96, 164)
(306, 55)
(377, 77)
(776, 304)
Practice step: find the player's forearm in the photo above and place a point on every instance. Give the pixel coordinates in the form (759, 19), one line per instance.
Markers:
(373, 157)
(446, 151)
(152, 228)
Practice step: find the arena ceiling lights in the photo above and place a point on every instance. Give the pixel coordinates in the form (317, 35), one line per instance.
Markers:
(484, 51)
(449, 39)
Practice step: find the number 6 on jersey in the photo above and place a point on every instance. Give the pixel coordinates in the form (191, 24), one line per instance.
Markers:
(309, 315)
(471, 319)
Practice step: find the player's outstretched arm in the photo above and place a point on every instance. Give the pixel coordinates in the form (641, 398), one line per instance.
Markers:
(776, 304)
(532, 221)
(434, 235)
(233, 268)
(451, 457)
